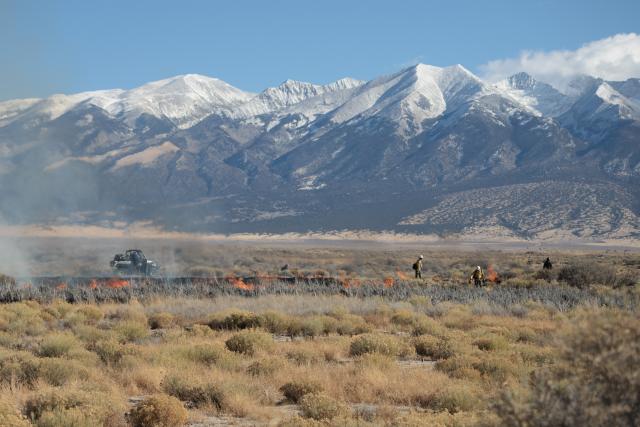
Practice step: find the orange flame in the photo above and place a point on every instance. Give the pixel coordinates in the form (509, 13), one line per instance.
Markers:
(61, 286)
(93, 284)
(117, 283)
(492, 276)
(402, 276)
(239, 284)
(388, 282)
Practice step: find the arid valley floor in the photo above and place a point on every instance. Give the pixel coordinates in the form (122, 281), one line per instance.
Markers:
(374, 347)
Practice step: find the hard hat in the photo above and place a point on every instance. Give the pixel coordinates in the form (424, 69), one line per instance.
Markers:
(421, 256)
(478, 268)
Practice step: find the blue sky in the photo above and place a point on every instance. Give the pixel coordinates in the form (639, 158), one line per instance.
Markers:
(70, 46)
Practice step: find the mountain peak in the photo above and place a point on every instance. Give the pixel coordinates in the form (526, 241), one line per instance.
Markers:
(521, 81)
(345, 83)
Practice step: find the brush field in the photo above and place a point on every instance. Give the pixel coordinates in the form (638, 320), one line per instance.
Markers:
(538, 349)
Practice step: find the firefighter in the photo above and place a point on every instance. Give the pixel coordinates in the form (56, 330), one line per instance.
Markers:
(477, 277)
(417, 266)
(547, 264)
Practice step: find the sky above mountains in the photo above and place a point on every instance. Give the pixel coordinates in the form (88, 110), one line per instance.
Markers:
(72, 46)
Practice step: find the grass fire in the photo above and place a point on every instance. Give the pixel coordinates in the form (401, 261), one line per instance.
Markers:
(322, 342)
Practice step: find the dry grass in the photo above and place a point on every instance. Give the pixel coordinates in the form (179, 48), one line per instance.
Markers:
(441, 357)
(61, 363)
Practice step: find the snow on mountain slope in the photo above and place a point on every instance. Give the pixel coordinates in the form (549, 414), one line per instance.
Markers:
(343, 155)
(290, 93)
(629, 88)
(598, 109)
(413, 95)
(34, 112)
(10, 109)
(541, 97)
(628, 108)
(184, 100)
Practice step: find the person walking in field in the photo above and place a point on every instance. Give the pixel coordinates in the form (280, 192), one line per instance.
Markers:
(477, 277)
(547, 264)
(417, 266)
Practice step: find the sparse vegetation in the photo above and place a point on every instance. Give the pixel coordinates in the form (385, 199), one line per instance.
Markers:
(408, 354)
(158, 411)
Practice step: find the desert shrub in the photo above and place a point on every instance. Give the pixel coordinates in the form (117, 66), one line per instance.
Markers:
(595, 380)
(525, 335)
(265, 367)
(59, 309)
(492, 343)
(58, 345)
(321, 407)
(426, 326)
(197, 330)
(10, 416)
(455, 398)
(534, 354)
(329, 324)
(274, 322)
(434, 348)
(110, 352)
(302, 356)
(518, 310)
(584, 274)
(211, 354)
(294, 391)
(86, 405)
(90, 334)
(116, 418)
(133, 312)
(297, 421)
(61, 417)
(349, 324)
(18, 368)
(495, 369)
(162, 320)
(58, 372)
(546, 275)
(311, 327)
(483, 307)
(436, 310)
(460, 318)
(459, 366)
(158, 410)
(403, 318)
(249, 342)
(294, 327)
(235, 320)
(22, 319)
(197, 393)
(130, 331)
(91, 313)
(378, 343)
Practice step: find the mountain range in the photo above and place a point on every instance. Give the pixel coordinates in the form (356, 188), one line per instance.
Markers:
(425, 150)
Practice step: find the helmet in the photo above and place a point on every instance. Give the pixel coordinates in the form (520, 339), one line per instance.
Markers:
(478, 268)
(421, 256)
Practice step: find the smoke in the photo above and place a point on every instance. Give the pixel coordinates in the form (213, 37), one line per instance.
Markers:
(612, 58)
(14, 260)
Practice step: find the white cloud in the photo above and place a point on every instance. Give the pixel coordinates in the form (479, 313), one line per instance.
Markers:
(612, 58)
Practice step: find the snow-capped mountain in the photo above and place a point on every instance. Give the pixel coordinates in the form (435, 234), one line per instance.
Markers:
(290, 93)
(426, 149)
(539, 96)
(183, 100)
